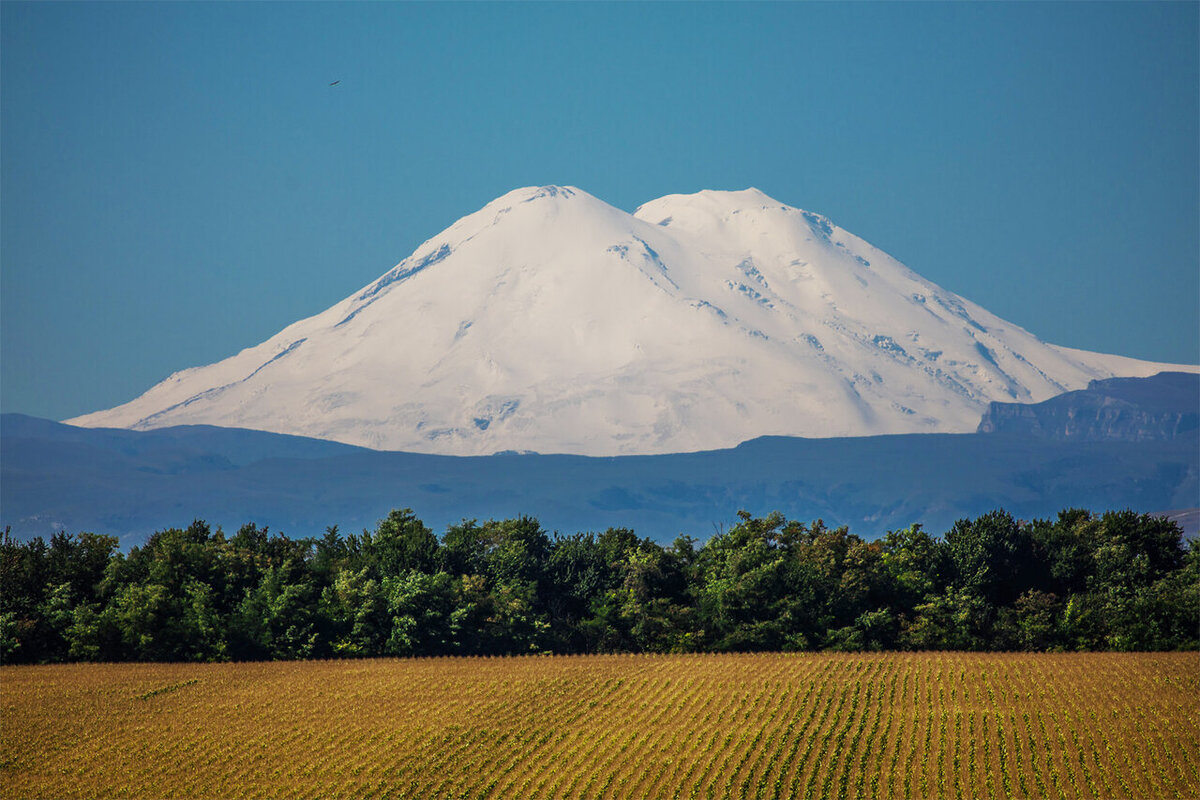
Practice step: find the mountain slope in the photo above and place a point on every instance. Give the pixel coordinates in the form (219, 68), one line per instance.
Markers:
(550, 321)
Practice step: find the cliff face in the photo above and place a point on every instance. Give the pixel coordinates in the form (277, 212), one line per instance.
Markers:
(1118, 409)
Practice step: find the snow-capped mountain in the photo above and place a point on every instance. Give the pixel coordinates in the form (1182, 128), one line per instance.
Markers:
(550, 321)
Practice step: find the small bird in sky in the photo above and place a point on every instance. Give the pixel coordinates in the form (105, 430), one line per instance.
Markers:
(335, 83)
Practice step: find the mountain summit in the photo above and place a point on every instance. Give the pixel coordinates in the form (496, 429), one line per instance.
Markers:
(550, 321)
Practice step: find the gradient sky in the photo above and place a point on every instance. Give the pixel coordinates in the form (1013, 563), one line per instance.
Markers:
(179, 181)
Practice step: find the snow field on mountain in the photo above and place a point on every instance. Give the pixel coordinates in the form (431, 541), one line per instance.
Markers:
(550, 321)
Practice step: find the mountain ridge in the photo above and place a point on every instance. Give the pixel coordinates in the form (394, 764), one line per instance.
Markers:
(132, 483)
(1161, 407)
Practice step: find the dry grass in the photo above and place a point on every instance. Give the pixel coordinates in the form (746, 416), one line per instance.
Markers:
(948, 725)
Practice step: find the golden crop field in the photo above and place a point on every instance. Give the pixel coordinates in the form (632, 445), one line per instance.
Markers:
(951, 725)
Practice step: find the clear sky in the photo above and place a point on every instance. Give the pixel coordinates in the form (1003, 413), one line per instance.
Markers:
(179, 181)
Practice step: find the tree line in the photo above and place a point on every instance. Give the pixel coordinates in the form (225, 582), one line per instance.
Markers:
(1116, 581)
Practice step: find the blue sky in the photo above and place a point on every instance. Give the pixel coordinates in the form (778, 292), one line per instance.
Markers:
(179, 181)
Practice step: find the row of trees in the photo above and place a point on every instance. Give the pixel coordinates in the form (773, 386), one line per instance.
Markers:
(1120, 581)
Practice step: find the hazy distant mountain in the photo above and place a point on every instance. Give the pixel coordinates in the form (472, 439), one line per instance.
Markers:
(550, 321)
(131, 483)
(1165, 406)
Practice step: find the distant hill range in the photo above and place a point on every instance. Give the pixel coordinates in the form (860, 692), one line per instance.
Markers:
(1118, 444)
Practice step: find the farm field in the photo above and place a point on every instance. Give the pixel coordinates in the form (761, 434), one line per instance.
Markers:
(912, 725)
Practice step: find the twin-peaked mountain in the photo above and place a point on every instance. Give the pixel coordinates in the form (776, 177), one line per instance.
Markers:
(549, 321)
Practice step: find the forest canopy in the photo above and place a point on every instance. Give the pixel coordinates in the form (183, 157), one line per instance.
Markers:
(1116, 581)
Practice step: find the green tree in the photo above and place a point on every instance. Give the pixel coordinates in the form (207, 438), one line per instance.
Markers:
(915, 567)
(421, 608)
(401, 543)
(276, 620)
(354, 609)
(871, 630)
(957, 619)
(578, 573)
(645, 610)
(849, 574)
(144, 617)
(754, 588)
(1032, 623)
(993, 557)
